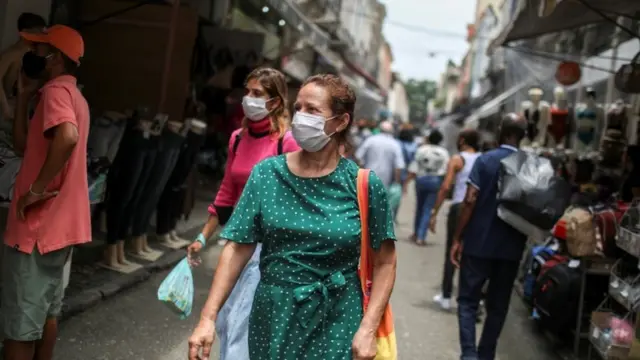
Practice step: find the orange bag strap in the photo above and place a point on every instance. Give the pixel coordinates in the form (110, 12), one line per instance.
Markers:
(365, 271)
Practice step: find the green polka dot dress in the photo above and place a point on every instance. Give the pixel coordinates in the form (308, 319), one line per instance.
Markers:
(308, 304)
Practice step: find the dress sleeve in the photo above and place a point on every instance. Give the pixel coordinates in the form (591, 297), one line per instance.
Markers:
(244, 225)
(227, 194)
(380, 216)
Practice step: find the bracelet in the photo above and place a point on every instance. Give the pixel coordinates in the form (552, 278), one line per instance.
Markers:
(35, 193)
(201, 239)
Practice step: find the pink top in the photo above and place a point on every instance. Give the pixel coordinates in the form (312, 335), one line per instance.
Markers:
(65, 219)
(249, 152)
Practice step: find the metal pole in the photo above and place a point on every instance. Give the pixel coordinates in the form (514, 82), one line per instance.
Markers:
(173, 25)
(615, 43)
(584, 54)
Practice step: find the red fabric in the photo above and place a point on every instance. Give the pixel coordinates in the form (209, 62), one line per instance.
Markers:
(260, 127)
(559, 126)
(249, 152)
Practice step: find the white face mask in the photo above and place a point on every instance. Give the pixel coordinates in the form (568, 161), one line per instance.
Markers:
(308, 131)
(255, 109)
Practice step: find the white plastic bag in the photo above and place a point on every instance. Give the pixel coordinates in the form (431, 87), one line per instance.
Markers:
(177, 289)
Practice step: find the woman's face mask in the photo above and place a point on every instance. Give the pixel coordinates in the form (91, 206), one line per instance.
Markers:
(34, 66)
(255, 109)
(308, 131)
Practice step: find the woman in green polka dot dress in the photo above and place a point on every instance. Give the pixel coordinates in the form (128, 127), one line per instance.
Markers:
(303, 208)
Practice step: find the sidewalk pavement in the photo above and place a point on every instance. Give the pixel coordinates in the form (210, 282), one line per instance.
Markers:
(90, 283)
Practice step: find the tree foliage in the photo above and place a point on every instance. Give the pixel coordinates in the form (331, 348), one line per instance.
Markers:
(419, 92)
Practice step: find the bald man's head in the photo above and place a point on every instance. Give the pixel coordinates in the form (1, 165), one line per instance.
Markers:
(513, 129)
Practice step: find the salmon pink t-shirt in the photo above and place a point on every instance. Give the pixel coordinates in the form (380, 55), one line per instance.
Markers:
(65, 219)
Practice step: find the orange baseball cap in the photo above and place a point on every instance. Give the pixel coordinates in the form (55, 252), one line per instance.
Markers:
(61, 37)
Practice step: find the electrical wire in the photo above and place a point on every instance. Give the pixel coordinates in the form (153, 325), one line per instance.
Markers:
(442, 33)
(550, 57)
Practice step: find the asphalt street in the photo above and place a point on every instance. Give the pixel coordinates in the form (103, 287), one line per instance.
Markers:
(134, 325)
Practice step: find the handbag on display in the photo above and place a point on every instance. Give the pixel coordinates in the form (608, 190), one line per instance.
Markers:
(579, 232)
(385, 336)
(557, 289)
(627, 78)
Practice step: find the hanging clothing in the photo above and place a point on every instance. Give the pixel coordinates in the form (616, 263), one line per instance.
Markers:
(310, 231)
(169, 208)
(533, 118)
(559, 126)
(126, 178)
(150, 192)
(586, 125)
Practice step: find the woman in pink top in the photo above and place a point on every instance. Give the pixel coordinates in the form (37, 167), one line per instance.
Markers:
(264, 133)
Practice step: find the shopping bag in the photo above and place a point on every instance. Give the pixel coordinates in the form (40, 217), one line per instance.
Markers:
(529, 189)
(176, 291)
(395, 195)
(386, 336)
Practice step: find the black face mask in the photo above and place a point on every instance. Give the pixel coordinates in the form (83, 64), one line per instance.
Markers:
(33, 65)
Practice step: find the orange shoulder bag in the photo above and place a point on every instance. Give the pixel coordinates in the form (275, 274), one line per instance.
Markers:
(386, 336)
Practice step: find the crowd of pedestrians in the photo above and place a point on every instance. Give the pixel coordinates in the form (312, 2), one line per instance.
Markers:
(286, 286)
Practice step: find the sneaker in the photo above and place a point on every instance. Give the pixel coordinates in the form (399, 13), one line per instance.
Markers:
(445, 304)
(480, 312)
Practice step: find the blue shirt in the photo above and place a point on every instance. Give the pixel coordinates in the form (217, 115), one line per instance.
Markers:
(486, 235)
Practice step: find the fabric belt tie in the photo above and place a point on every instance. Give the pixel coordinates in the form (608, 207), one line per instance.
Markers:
(310, 297)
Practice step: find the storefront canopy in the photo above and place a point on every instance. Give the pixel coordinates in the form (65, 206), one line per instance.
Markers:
(568, 14)
(492, 106)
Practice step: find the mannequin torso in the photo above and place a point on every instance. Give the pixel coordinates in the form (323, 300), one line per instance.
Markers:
(537, 115)
(588, 117)
(559, 125)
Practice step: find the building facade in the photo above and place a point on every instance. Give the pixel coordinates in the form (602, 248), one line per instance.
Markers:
(448, 87)
(385, 59)
(397, 101)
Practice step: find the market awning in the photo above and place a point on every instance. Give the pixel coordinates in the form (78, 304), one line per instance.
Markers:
(567, 14)
(492, 106)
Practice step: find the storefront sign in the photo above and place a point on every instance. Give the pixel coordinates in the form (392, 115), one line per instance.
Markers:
(568, 73)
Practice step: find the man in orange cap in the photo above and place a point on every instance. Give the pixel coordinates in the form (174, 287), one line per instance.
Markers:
(49, 211)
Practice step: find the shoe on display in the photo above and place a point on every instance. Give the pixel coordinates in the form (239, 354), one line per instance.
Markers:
(445, 304)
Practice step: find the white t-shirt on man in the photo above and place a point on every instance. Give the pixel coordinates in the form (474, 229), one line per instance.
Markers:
(430, 160)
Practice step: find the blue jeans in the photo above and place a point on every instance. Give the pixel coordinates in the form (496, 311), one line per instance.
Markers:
(427, 188)
(232, 323)
(474, 273)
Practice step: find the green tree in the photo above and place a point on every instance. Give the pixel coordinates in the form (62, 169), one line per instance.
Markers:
(419, 92)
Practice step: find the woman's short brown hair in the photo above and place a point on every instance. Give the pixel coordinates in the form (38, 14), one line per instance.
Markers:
(342, 98)
(275, 84)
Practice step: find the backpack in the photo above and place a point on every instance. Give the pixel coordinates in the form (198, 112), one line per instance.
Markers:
(238, 137)
(557, 289)
(538, 256)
